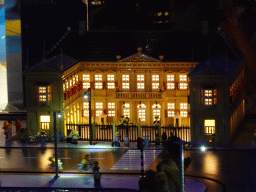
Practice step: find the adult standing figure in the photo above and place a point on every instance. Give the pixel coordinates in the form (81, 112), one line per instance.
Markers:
(6, 127)
(96, 174)
(18, 126)
(164, 138)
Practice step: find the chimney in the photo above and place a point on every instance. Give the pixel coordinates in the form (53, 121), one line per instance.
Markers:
(161, 57)
(82, 28)
(139, 49)
(205, 27)
(118, 57)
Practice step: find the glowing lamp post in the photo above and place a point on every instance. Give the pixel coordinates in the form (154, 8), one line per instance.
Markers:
(58, 114)
(87, 13)
(87, 95)
(182, 171)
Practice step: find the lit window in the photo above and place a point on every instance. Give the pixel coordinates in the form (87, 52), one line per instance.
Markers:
(126, 110)
(76, 76)
(170, 82)
(63, 87)
(86, 109)
(209, 126)
(183, 106)
(74, 80)
(45, 121)
(70, 83)
(111, 109)
(98, 112)
(98, 82)
(42, 94)
(171, 106)
(111, 83)
(155, 82)
(171, 109)
(210, 96)
(171, 113)
(140, 81)
(66, 84)
(86, 81)
(142, 112)
(125, 82)
(183, 113)
(159, 14)
(183, 78)
(99, 108)
(156, 109)
(183, 109)
(166, 13)
(110, 77)
(183, 85)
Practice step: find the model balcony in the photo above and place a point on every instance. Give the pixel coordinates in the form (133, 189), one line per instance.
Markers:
(139, 95)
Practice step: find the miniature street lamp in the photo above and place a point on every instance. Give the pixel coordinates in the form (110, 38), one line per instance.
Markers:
(87, 95)
(58, 114)
(182, 171)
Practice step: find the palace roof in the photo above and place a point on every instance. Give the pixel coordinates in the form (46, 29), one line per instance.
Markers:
(95, 46)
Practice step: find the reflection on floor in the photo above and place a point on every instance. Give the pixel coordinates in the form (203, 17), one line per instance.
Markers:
(131, 160)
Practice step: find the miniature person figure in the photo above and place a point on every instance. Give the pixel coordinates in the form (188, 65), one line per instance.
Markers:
(52, 159)
(69, 136)
(140, 143)
(6, 127)
(117, 139)
(164, 138)
(96, 173)
(84, 162)
(10, 129)
(43, 139)
(75, 137)
(18, 126)
(126, 141)
(157, 139)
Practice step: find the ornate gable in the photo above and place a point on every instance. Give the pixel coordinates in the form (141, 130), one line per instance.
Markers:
(139, 57)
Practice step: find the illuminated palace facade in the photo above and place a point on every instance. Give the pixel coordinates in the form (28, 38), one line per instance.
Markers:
(139, 87)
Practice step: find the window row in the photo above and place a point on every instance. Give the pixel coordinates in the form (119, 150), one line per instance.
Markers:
(170, 82)
(141, 110)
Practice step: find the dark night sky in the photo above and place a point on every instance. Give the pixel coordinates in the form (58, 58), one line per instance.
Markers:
(48, 22)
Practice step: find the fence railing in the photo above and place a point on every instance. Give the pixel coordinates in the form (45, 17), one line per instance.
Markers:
(83, 130)
(182, 132)
(150, 131)
(104, 132)
(131, 131)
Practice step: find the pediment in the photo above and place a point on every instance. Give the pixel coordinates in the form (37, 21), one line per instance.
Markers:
(139, 57)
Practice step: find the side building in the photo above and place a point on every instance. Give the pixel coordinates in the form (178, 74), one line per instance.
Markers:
(44, 97)
(218, 102)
